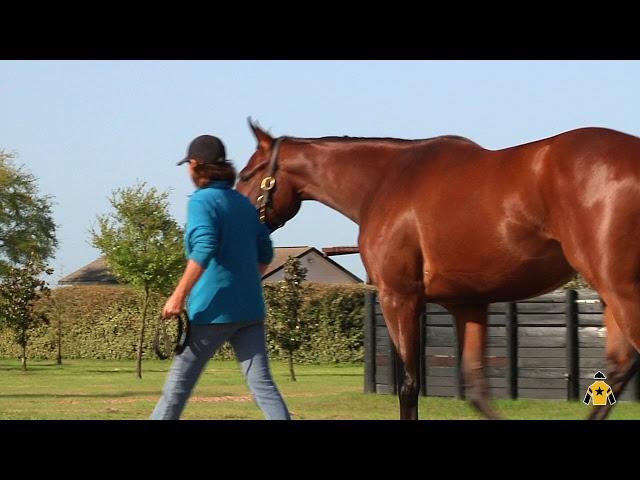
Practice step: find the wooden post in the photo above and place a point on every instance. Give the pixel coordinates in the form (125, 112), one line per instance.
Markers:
(511, 315)
(459, 372)
(396, 369)
(636, 387)
(392, 377)
(573, 347)
(369, 342)
(423, 352)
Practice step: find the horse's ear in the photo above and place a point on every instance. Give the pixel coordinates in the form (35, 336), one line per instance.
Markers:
(264, 139)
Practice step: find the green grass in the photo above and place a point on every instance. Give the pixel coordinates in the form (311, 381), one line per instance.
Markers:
(102, 389)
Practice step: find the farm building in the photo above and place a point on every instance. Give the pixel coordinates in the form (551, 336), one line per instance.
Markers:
(320, 269)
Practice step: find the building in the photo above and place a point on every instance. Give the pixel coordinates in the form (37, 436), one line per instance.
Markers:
(320, 269)
(95, 273)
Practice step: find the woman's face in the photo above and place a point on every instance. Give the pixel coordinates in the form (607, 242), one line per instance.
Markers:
(192, 172)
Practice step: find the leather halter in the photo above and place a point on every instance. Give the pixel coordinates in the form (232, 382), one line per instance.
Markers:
(265, 200)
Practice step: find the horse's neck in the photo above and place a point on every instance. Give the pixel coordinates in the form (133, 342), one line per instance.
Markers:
(340, 179)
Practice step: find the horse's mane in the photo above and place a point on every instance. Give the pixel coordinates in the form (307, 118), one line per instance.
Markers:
(346, 139)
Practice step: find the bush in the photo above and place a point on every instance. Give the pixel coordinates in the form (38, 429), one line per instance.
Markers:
(101, 322)
(333, 322)
(97, 322)
(577, 282)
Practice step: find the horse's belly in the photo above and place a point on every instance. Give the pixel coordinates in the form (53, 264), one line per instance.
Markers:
(505, 278)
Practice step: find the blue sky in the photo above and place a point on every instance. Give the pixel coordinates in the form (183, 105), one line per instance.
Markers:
(85, 128)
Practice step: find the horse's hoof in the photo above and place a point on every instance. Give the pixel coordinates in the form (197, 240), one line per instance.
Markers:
(485, 409)
(599, 414)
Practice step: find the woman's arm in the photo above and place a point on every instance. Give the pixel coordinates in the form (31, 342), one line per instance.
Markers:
(202, 235)
(175, 304)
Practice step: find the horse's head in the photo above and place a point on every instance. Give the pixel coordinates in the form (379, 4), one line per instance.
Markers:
(265, 182)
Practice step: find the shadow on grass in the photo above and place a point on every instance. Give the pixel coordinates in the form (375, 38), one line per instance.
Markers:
(45, 368)
(79, 395)
(328, 374)
(31, 368)
(129, 371)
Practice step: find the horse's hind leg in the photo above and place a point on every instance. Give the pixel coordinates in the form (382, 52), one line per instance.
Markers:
(618, 381)
(602, 244)
(623, 302)
(622, 363)
(402, 315)
(471, 323)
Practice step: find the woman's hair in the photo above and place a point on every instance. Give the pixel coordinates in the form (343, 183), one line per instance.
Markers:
(215, 171)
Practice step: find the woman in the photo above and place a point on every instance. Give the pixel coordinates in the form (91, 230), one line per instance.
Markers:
(228, 250)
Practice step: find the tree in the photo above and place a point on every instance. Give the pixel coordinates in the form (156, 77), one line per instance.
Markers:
(27, 228)
(286, 309)
(58, 312)
(20, 288)
(142, 245)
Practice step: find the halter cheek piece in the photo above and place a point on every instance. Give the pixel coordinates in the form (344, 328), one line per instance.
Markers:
(265, 200)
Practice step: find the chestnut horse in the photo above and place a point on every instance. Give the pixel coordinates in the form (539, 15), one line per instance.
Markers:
(446, 221)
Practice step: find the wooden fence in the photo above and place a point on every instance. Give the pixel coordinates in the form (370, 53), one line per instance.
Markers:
(544, 347)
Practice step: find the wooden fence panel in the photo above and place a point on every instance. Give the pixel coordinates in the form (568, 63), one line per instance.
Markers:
(544, 347)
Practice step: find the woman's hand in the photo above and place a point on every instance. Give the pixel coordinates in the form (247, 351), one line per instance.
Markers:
(174, 306)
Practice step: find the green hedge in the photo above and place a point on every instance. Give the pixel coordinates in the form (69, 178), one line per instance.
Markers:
(102, 322)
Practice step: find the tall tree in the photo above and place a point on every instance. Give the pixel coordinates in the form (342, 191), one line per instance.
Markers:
(142, 245)
(20, 288)
(27, 228)
(57, 311)
(286, 311)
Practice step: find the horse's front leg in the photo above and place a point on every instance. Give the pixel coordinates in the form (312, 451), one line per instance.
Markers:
(471, 325)
(402, 315)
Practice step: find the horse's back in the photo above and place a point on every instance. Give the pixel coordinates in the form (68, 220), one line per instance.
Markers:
(461, 200)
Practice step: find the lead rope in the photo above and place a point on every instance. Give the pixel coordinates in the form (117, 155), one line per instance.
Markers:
(162, 338)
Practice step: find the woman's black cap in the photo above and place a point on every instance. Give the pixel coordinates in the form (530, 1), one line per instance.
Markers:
(205, 149)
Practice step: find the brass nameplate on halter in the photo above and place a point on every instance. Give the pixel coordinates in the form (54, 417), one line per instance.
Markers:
(268, 183)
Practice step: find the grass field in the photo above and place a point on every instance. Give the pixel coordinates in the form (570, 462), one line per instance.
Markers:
(102, 389)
